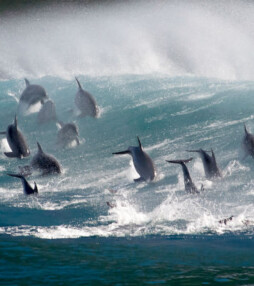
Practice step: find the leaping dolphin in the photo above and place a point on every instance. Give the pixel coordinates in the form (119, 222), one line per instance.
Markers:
(209, 163)
(16, 141)
(33, 94)
(189, 185)
(28, 190)
(248, 143)
(42, 161)
(85, 102)
(67, 134)
(142, 162)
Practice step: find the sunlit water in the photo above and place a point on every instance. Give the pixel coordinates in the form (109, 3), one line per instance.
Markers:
(179, 76)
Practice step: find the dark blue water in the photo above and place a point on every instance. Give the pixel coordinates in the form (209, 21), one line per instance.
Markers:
(174, 97)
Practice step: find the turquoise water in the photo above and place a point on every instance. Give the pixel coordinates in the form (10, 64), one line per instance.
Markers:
(174, 100)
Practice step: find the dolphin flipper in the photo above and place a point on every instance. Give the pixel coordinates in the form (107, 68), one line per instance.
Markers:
(139, 180)
(77, 140)
(3, 133)
(11, 155)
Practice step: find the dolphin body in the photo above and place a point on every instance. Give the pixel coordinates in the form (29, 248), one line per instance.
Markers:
(189, 185)
(248, 143)
(209, 163)
(85, 102)
(142, 162)
(47, 113)
(16, 141)
(42, 161)
(28, 190)
(67, 134)
(32, 94)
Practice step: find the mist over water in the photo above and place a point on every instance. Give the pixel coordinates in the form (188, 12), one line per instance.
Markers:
(187, 38)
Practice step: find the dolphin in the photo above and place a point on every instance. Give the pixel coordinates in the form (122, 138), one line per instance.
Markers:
(209, 163)
(189, 185)
(28, 190)
(248, 143)
(85, 102)
(16, 141)
(47, 113)
(42, 161)
(67, 134)
(33, 94)
(142, 162)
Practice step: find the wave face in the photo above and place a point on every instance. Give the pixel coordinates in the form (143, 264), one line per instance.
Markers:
(188, 38)
(170, 115)
(179, 76)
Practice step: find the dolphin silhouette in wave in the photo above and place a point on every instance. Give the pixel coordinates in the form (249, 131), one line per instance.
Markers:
(28, 190)
(16, 141)
(142, 162)
(189, 185)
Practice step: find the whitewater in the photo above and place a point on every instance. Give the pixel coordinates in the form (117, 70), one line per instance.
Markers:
(178, 75)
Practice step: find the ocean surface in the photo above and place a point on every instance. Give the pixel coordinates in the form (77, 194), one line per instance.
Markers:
(178, 75)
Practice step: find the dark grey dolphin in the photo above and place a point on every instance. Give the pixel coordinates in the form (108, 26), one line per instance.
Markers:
(209, 163)
(47, 113)
(248, 143)
(28, 190)
(142, 162)
(16, 141)
(67, 134)
(33, 94)
(189, 185)
(85, 102)
(42, 161)
(47, 163)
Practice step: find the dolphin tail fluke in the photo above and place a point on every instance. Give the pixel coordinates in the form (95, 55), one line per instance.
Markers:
(121, 152)
(79, 85)
(179, 161)
(11, 155)
(27, 82)
(16, 175)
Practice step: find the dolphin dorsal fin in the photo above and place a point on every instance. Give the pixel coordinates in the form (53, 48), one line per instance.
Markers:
(27, 82)
(139, 143)
(35, 188)
(79, 85)
(245, 129)
(39, 148)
